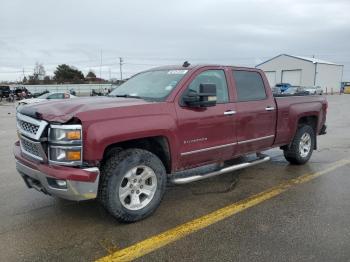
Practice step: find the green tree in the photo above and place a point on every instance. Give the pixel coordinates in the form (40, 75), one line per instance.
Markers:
(91, 74)
(66, 73)
(47, 80)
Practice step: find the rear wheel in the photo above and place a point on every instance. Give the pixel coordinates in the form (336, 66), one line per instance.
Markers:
(133, 184)
(302, 146)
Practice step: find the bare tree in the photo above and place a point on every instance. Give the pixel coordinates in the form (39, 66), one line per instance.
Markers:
(39, 71)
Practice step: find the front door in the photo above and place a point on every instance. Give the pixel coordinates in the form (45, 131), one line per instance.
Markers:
(207, 134)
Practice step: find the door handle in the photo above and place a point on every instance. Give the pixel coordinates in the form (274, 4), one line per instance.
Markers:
(269, 108)
(229, 112)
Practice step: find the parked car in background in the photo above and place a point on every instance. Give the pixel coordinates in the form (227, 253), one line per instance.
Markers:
(4, 91)
(22, 92)
(46, 97)
(72, 92)
(283, 86)
(313, 90)
(37, 94)
(347, 90)
(292, 90)
(95, 92)
(276, 90)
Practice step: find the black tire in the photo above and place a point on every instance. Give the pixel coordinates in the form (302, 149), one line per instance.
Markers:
(293, 153)
(112, 175)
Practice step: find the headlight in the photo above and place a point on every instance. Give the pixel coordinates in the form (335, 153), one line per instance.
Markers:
(65, 154)
(65, 144)
(65, 134)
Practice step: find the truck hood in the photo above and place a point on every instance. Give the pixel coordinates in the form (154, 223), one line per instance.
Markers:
(63, 110)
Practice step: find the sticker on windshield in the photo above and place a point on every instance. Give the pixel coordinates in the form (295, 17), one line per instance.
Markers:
(177, 72)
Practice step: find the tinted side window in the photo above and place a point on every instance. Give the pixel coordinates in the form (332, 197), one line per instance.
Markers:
(250, 85)
(216, 77)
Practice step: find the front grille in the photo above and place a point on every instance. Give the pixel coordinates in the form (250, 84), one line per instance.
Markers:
(31, 148)
(28, 127)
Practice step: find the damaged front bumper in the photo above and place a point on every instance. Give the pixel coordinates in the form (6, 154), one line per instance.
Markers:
(65, 182)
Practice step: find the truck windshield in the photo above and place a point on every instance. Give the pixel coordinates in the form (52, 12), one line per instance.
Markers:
(151, 85)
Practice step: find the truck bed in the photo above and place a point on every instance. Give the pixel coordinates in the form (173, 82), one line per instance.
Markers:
(290, 108)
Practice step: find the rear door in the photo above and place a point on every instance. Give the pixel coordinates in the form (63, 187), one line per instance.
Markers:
(256, 111)
(207, 134)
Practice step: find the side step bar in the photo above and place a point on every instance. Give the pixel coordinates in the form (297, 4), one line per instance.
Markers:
(185, 180)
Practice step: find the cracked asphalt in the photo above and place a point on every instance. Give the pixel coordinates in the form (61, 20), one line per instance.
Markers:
(309, 222)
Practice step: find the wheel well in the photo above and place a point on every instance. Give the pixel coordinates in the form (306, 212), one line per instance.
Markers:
(311, 121)
(157, 145)
(308, 120)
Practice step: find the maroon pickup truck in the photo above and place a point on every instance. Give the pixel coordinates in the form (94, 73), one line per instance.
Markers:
(175, 124)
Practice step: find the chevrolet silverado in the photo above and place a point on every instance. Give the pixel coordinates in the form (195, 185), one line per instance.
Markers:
(164, 125)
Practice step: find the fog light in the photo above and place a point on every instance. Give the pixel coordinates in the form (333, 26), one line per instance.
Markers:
(61, 183)
(57, 183)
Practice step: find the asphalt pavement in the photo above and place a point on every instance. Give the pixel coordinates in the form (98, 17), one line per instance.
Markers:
(307, 222)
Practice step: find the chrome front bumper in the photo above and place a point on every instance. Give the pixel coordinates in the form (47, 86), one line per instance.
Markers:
(74, 190)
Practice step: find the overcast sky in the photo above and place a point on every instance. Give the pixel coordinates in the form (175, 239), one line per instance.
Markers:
(148, 33)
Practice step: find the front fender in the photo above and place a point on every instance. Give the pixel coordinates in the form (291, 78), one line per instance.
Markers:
(99, 135)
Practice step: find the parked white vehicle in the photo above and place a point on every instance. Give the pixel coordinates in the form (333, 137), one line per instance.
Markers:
(314, 90)
(45, 97)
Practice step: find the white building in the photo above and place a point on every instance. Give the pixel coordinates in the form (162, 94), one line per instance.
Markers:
(303, 71)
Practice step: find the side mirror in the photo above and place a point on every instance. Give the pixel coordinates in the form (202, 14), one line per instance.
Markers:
(205, 98)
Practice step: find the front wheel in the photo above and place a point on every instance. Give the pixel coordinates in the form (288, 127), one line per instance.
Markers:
(133, 184)
(302, 146)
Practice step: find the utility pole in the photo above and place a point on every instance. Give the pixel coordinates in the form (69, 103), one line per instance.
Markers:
(101, 65)
(120, 66)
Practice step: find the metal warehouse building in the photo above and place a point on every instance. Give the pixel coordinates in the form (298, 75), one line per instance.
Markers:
(303, 71)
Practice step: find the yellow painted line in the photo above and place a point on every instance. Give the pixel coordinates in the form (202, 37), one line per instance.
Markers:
(155, 242)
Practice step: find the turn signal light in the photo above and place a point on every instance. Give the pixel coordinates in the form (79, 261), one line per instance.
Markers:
(73, 155)
(73, 135)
